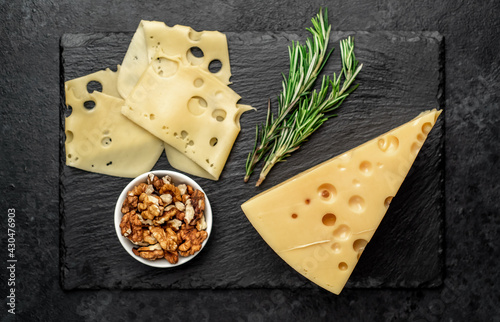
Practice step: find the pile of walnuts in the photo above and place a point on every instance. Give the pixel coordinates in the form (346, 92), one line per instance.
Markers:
(165, 220)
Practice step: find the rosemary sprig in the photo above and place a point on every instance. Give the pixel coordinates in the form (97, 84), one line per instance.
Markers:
(312, 110)
(306, 62)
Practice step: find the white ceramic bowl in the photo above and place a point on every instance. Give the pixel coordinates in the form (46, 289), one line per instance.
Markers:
(177, 178)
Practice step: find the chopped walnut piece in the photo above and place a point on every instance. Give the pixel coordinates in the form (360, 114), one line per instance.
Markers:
(147, 237)
(168, 214)
(139, 189)
(192, 241)
(179, 205)
(130, 203)
(189, 212)
(201, 224)
(136, 228)
(152, 252)
(149, 189)
(166, 198)
(167, 239)
(157, 183)
(166, 179)
(174, 224)
(198, 201)
(173, 190)
(149, 205)
(172, 240)
(125, 226)
(147, 222)
(172, 257)
(182, 188)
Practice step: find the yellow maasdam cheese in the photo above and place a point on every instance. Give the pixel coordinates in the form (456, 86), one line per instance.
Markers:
(320, 221)
(99, 138)
(189, 109)
(196, 48)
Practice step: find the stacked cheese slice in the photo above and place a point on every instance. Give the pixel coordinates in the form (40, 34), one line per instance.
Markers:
(168, 86)
(320, 221)
(98, 137)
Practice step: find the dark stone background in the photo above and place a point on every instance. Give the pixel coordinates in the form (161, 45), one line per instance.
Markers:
(29, 161)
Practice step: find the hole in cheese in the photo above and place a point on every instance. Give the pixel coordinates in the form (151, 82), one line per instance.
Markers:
(197, 105)
(106, 141)
(219, 115)
(415, 148)
(69, 136)
(215, 66)
(294, 216)
(191, 143)
(89, 105)
(388, 144)
(336, 247)
(327, 192)
(213, 142)
(426, 128)
(421, 137)
(94, 86)
(165, 67)
(68, 111)
(219, 95)
(152, 117)
(329, 219)
(366, 168)
(343, 232)
(343, 266)
(387, 202)
(359, 245)
(195, 55)
(357, 204)
(184, 134)
(198, 82)
(194, 35)
(308, 201)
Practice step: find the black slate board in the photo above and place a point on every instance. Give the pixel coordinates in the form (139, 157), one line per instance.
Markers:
(402, 76)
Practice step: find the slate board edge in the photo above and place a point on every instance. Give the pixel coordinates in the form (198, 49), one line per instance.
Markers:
(405, 34)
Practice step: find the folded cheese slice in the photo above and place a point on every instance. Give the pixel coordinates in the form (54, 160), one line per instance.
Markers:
(320, 221)
(98, 137)
(189, 109)
(206, 49)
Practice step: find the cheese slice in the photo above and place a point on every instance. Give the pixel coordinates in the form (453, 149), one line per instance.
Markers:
(189, 109)
(99, 138)
(206, 49)
(320, 221)
(104, 81)
(181, 162)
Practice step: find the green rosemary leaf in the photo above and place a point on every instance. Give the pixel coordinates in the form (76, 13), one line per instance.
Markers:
(306, 62)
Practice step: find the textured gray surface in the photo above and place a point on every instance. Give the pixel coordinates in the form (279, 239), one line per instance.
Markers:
(29, 167)
(407, 249)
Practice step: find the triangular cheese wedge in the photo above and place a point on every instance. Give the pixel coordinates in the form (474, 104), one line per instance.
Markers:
(320, 221)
